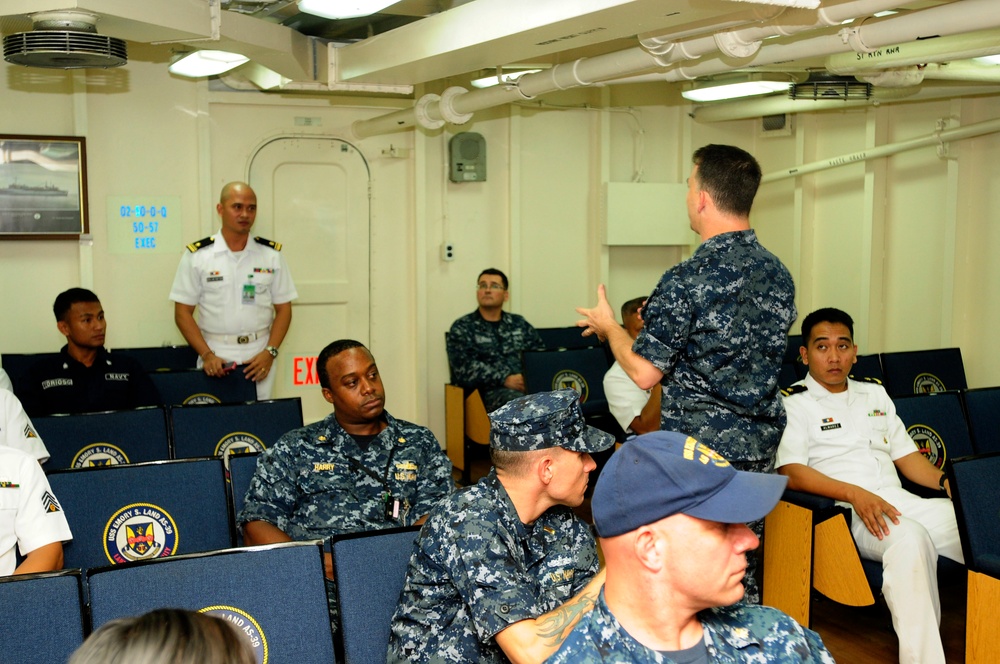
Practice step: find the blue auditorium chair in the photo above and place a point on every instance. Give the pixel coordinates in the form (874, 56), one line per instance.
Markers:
(581, 369)
(973, 483)
(143, 511)
(867, 366)
(17, 365)
(241, 470)
(192, 386)
(788, 375)
(275, 594)
(936, 423)
(42, 616)
(983, 408)
(214, 429)
(556, 338)
(792, 369)
(370, 569)
(159, 358)
(923, 371)
(113, 437)
(792, 354)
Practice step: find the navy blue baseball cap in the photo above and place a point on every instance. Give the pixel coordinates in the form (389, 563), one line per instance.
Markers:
(659, 474)
(542, 420)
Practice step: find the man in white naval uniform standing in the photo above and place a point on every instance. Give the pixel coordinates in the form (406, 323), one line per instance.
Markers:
(243, 292)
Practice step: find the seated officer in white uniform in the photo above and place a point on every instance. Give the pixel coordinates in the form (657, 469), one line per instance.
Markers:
(243, 291)
(845, 441)
(636, 410)
(16, 429)
(30, 517)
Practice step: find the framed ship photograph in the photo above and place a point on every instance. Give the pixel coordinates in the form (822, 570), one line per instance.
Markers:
(43, 187)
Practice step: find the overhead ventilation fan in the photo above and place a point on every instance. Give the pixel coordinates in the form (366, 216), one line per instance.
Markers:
(64, 40)
(827, 86)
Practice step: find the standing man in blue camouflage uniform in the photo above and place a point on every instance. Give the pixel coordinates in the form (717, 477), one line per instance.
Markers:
(675, 553)
(503, 570)
(716, 325)
(359, 469)
(484, 347)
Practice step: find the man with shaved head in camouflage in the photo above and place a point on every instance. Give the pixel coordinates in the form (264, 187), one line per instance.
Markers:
(504, 569)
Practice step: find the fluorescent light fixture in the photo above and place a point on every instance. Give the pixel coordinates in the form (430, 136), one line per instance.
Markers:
(343, 8)
(206, 63)
(721, 90)
(988, 60)
(505, 78)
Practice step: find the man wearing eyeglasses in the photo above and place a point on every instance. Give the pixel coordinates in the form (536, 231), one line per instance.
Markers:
(484, 347)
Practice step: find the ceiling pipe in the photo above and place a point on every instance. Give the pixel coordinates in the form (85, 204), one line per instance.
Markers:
(937, 138)
(866, 38)
(657, 51)
(777, 105)
(963, 70)
(953, 47)
(744, 42)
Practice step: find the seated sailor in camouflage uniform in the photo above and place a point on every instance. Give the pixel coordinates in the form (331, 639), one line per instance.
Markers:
(675, 553)
(503, 569)
(484, 347)
(359, 469)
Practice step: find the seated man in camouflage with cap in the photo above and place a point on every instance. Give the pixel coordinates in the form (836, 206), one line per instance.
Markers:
(675, 553)
(504, 569)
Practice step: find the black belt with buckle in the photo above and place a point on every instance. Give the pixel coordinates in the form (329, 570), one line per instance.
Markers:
(243, 339)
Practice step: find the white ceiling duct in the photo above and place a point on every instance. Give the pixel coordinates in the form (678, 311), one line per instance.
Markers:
(485, 33)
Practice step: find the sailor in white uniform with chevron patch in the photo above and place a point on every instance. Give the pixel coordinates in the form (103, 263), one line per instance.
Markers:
(31, 518)
(243, 291)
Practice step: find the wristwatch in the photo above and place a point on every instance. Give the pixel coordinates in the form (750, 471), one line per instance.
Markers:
(273, 350)
(944, 476)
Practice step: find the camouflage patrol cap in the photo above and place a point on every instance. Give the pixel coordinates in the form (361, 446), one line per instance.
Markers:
(543, 420)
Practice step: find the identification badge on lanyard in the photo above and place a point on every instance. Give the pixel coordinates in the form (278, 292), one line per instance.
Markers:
(249, 292)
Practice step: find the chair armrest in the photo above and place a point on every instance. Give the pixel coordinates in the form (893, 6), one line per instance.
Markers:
(989, 563)
(823, 508)
(811, 501)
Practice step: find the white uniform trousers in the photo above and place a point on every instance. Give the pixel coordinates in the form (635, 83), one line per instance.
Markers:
(927, 529)
(241, 354)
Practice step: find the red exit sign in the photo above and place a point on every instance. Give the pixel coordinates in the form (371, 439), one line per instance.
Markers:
(304, 370)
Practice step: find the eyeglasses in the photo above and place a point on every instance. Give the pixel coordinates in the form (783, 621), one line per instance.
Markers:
(482, 285)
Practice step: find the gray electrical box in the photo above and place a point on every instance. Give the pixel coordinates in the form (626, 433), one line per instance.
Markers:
(468, 157)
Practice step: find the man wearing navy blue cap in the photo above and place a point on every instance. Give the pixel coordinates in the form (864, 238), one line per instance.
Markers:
(503, 570)
(671, 514)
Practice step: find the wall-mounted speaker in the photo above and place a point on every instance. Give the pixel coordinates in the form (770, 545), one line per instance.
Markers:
(776, 125)
(468, 157)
